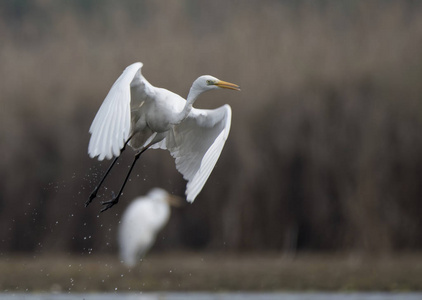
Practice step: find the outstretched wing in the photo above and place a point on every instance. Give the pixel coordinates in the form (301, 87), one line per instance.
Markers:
(111, 126)
(196, 145)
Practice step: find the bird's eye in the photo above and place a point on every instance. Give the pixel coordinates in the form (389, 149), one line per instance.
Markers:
(210, 82)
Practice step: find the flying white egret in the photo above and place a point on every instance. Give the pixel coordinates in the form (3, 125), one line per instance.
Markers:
(136, 113)
(141, 222)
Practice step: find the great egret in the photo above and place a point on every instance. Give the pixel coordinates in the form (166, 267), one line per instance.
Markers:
(136, 113)
(141, 222)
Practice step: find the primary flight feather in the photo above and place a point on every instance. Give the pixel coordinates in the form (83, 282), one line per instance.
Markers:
(143, 116)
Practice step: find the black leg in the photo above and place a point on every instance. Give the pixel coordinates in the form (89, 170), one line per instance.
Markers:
(94, 192)
(115, 199)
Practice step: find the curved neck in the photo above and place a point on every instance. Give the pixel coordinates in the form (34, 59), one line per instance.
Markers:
(192, 96)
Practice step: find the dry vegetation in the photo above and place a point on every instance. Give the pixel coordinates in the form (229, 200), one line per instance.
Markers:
(211, 272)
(325, 151)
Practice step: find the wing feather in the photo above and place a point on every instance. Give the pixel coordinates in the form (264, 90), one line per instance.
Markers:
(112, 123)
(196, 145)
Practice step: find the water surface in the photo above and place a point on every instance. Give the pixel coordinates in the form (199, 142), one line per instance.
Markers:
(215, 296)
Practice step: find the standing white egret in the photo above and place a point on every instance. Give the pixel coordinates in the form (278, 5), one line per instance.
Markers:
(136, 113)
(141, 222)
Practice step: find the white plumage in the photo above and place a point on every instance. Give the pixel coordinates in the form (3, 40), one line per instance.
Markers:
(151, 117)
(141, 222)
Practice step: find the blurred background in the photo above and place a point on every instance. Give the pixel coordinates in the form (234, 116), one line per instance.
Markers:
(325, 150)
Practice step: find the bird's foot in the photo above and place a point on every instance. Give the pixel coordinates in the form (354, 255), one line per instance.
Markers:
(110, 203)
(91, 197)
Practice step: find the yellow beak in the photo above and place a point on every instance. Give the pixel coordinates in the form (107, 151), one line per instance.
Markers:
(227, 85)
(174, 200)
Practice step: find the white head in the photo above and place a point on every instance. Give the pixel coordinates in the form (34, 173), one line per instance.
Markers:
(158, 194)
(208, 82)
